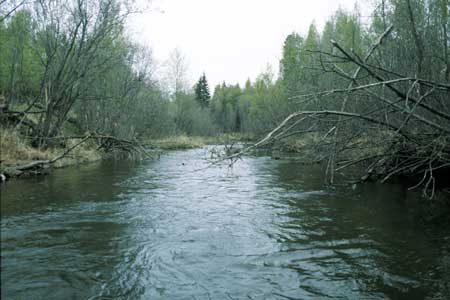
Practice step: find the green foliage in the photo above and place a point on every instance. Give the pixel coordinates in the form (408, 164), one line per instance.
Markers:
(190, 117)
(224, 107)
(70, 61)
(19, 65)
(421, 41)
(291, 65)
(202, 91)
(254, 109)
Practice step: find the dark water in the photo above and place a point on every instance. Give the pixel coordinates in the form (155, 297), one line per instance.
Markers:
(265, 229)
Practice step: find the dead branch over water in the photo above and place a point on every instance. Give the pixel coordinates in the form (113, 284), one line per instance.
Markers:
(410, 114)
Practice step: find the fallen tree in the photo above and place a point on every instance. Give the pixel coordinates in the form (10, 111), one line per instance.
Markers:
(391, 124)
(109, 145)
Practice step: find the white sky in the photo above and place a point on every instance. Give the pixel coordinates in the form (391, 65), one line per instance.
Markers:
(229, 40)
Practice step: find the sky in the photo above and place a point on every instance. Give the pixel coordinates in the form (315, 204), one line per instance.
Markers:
(229, 40)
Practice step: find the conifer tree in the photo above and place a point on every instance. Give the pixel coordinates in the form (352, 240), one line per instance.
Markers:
(202, 91)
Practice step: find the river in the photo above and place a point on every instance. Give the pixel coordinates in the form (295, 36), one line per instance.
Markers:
(173, 229)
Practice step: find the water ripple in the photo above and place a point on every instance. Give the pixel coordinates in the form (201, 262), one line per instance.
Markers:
(263, 229)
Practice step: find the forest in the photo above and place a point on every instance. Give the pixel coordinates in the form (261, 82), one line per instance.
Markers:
(373, 94)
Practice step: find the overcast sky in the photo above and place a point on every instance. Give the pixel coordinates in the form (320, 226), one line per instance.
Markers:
(229, 40)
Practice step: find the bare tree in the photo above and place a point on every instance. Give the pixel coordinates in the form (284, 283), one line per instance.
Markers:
(73, 35)
(176, 73)
(8, 7)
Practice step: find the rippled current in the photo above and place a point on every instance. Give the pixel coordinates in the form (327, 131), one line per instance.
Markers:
(264, 229)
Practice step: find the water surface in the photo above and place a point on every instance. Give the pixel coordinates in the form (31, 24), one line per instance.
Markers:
(264, 229)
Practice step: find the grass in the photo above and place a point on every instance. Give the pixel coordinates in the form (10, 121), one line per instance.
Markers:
(16, 150)
(314, 147)
(189, 142)
(301, 144)
(177, 142)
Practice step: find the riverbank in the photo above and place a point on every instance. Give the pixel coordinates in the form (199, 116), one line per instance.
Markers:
(16, 151)
(180, 142)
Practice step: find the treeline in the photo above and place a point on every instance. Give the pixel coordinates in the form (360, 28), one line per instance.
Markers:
(417, 47)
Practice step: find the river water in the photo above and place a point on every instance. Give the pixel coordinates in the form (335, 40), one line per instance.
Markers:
(171, 229)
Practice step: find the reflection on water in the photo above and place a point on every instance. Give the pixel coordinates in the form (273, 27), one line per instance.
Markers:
(264, 229)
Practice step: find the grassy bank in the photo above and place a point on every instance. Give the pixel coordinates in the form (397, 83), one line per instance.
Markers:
(16, 150)
(176, 142)
(189, 142)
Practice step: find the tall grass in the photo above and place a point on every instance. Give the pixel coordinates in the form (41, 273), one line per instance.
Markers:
(14, 149)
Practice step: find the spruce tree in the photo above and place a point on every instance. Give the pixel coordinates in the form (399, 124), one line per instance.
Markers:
(202, 91)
